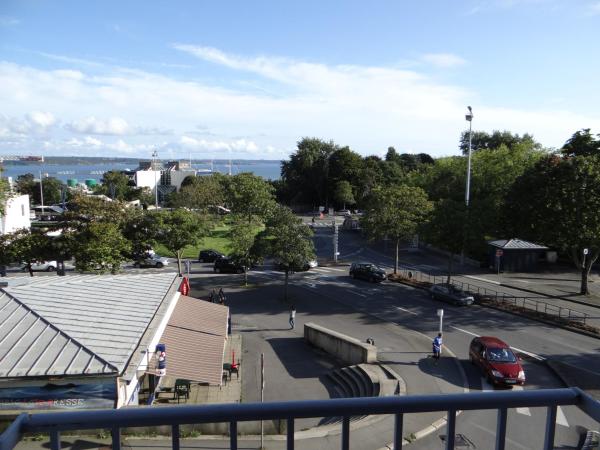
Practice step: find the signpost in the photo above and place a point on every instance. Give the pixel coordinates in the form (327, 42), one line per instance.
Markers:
(335, 241)
(499, 253)
(262, 396)
(440, 313)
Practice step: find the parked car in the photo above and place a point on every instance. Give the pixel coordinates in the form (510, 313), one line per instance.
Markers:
(344, 212)
(209, 256)
(303, 268)
(41, 266)
(497, 361)
(223, 265)
(367, 271)
(451, 294)
(151, 261)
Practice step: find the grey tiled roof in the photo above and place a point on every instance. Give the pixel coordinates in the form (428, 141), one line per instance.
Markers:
(78, 324)
(516, 244)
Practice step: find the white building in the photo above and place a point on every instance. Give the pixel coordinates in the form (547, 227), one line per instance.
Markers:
(16, 214)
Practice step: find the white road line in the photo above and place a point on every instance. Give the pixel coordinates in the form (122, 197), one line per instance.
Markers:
(482, 279)
(525, 352)
(337, 269)
(561, 418)
(524, 411)
(406, 310)
(359, 294)
(464, 331)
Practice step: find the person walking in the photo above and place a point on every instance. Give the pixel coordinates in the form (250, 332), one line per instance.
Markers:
(221, 296)
(437, 347)
(292, 317)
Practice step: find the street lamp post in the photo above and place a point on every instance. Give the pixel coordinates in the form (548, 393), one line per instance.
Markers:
(154, 156)
(469, 118)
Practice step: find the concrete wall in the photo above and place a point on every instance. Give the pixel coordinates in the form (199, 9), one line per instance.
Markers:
(346, 348)
(16, 214)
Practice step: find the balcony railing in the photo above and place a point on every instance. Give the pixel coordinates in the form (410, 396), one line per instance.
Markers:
(115, 420)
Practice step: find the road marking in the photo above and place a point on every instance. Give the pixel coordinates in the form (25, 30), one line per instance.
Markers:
(464, 331)
(406, 310)
(482, 279)
(524, 411)
(518, 350)
(561, 418)
(359, 294)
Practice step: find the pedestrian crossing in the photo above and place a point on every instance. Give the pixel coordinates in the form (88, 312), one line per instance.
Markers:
(561, 419)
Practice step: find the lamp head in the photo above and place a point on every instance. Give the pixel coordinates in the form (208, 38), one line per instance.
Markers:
(469, 117)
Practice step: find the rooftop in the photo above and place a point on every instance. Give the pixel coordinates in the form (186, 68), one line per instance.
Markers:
(83, 324)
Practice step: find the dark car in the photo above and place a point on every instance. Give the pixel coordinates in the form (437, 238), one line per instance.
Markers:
(224, 265)
(367, 271)
(209, 256)
(451, 294)
(310, 264)
(497, 361)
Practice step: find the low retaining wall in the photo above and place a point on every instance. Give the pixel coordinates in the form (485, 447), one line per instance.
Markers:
(346, 348)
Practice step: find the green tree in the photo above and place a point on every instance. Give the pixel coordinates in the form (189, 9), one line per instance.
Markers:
(4, 192)
(27, 247)
(250, 196)
(557, 202)
(84, 210)
(288, 240)
(582, 143)
(116, 185)
(446, 228)
(343, 193)
(482, 140)
(199, 193)
(307, 171)
(179, 228)
(52, 187)
(100, 247)
(242, 235)
(396, 212)
(141, 229)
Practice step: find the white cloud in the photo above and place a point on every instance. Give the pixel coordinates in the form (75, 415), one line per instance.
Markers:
(366, 107)
(115, 126)
(443, 60)
(40, 119)
(7, 21)
(594, 8)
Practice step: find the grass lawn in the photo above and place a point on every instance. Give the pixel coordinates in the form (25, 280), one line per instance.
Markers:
(216, 240)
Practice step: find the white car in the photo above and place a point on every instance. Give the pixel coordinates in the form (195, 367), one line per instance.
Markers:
(42, 266)
(153, 260)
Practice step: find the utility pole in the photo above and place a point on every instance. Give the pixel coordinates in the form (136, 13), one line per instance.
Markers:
(262, 396)
(468, 118)
(42, 194)
(335, 241)
(154, 156)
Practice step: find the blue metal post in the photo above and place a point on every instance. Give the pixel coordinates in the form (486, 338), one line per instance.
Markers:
(398, 425)
(550, 428)
(233, 435)
(290, 433)
(55, 440)
(116, 438)
(175, 437)
(450, 429)
(346, 433)
(501, 429)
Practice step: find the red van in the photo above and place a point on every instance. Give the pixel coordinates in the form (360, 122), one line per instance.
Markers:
(497, 361)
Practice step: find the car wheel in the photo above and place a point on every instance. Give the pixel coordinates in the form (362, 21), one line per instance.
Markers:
(240, 271)
(201, 260)
(217, 270)
(50, 269)
(159, 265)
(136, 264)
(472, 359)
(372, 279)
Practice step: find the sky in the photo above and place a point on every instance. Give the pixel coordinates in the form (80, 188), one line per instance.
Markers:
(239, 79)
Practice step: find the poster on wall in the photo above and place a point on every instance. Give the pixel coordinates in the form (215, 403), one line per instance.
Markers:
(60, 396)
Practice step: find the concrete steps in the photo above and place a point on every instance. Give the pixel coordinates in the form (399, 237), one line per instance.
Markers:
(363, 380)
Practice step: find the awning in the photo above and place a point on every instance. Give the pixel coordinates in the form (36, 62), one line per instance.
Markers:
(195, 340)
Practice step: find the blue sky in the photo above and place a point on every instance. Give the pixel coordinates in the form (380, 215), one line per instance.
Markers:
(249, 79)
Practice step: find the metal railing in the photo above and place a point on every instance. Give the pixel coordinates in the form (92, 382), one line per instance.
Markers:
(529, 303)
(117, 420)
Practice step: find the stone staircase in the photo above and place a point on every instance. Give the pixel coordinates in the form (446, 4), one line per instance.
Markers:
(363, 380)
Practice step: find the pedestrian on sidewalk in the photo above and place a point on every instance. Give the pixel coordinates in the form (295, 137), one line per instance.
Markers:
(221, 296)
(292, 317)
(437, 347)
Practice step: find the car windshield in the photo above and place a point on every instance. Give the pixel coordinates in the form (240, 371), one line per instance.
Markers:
(372, 267)
(502, 355)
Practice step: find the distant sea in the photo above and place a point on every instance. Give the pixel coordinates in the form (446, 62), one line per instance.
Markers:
(81, 169)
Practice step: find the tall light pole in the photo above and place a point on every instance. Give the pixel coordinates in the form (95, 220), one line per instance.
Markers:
(469, 118)
(154, 156)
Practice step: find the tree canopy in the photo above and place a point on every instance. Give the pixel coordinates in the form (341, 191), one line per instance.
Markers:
(396, 212)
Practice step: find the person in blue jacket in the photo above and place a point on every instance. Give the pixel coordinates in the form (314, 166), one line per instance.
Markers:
(437, 346)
